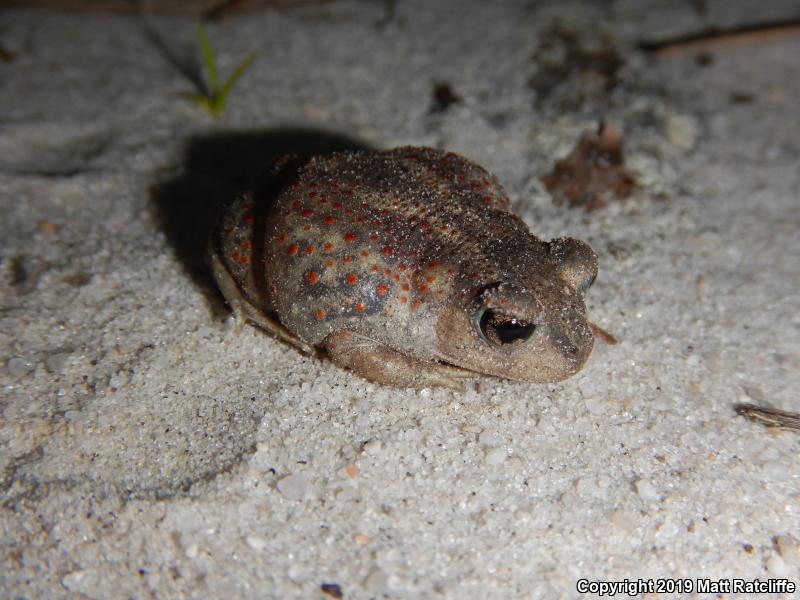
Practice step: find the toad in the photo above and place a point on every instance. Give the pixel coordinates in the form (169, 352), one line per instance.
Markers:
(406, 267)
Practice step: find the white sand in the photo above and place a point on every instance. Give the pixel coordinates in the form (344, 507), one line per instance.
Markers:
(150, 450)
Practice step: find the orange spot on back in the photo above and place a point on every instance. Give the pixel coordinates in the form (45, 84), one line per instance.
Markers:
(388, 251)
(247, 244)
(329, 220)
(308, 213)
(403, 299)
(365, 253)
(329, 263)
(382, 289)
(352, 279)
(361, 307)
(293, 249)
(320, 316)
(350, 237)
(313, 277)
(347, 258)
(242, 259)
(309, 249)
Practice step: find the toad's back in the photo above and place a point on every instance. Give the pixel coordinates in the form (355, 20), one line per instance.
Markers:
(372, 242)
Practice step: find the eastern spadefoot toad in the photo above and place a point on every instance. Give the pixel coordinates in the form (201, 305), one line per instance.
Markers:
(406, 267)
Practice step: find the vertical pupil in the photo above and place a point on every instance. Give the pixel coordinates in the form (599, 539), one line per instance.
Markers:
(501, 329)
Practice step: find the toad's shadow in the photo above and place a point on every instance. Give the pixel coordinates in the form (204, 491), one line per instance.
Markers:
(216, 167)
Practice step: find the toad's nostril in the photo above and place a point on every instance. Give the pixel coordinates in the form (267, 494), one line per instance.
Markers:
(564, 344)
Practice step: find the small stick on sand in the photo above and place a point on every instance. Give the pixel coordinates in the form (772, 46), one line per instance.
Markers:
(604, 335)
(771, 417)
(707, 41)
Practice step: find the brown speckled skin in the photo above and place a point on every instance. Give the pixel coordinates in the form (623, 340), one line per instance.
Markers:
(385, 259)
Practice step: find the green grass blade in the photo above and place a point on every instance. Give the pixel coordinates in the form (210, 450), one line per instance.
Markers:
(200, 100)
(208, 59)
(240, 70)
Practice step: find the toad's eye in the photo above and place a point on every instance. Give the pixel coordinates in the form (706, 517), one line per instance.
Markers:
(502, 330)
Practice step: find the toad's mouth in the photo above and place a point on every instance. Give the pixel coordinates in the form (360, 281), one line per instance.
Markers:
(455, 370)
(543, 374)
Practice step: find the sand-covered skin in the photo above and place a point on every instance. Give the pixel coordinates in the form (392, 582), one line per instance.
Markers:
(151, 449)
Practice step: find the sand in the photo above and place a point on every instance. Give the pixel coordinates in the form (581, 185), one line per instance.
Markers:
(151, 449)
